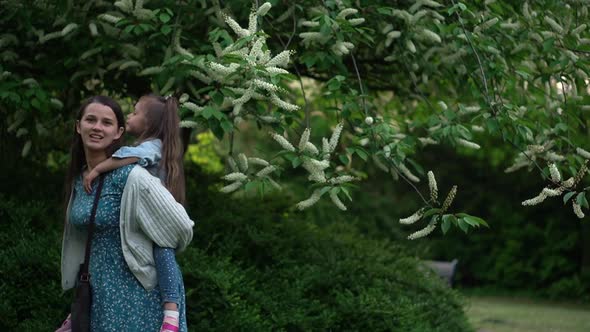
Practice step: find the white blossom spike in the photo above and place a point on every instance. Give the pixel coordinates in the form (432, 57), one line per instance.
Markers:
(568, 183)
(406, 172)
(68, 28)
(356, 21)
(535, 200)
(283, 104)
(283, 142)
(555, 175)
(264, 85)
(432, 185)
(232, 164)
(346, 12)
(242, 162)
(314, 198)
(309, 147)
(583, 153)
(579, 29)
(280, 60)
(262, 10)
(109, 18)
(335, 136)
(310, 24)
(468, 144)
(578, 210)
(266, 171)
(231, 188)
(552, 156)
(341, 179)
(554, 25)
(236, 27)
(93, 29)
(552, 192)
(423, 232)
(258, 161)
(235, 176)
(151, 71)
(188, 124)
(410, 46)
(413, 218)
(336, 200)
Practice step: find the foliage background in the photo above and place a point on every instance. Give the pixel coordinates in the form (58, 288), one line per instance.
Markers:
(525, 77)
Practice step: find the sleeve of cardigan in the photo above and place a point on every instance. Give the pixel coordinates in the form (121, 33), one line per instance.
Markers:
(161, 218)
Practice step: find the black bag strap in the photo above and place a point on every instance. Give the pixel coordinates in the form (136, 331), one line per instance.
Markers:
(84, 275)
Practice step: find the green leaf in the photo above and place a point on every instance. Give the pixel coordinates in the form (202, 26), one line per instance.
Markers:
(208, 112)
(296, 162)
(166, 29)
(227, 126)
(581, 199)
(448, 219)
(164, 17)
(324, 190)
(362, 153)
(35, 103)
(344, 159)
(549, 44)
(567, 196)
(431, 212)
(345, 191)
(463, 225)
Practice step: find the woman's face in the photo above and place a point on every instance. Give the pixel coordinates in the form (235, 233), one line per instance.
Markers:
(98, 127)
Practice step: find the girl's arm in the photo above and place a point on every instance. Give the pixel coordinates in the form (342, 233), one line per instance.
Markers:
(105, 166)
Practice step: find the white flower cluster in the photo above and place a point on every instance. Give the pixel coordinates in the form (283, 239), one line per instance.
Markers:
(413, 218)
(338, 47)
(578, 210)
(246, 79)
(314, 198)
(242, 173)
(533, 153)
(423, 232)
(432, 186)
(57, 34)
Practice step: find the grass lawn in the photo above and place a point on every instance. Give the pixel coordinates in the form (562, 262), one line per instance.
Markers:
(502, 314)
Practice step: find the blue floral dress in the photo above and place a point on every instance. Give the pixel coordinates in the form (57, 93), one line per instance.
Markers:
(119, 301)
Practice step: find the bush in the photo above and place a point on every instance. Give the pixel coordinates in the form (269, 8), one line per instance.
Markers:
(31, 298)
(253, 265)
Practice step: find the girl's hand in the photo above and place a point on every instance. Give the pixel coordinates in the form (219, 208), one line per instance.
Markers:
(88, 180)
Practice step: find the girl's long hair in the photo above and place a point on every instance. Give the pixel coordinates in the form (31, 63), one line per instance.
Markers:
(163, 122)
(77, 154)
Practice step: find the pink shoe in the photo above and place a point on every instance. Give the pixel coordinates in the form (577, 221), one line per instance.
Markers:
(67, 325)
(170, 324)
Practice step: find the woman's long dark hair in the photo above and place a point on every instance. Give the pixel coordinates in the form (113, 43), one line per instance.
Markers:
(77, 155)
(163, 122)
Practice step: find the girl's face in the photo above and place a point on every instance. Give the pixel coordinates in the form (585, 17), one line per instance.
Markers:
(137, 121)
(98, 127)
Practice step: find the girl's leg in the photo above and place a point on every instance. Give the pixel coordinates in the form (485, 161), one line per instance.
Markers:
(168, 280)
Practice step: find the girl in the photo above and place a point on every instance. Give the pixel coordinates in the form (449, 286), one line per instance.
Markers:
(155, 123)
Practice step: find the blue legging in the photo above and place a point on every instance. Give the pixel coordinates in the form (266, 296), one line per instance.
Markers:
(168, 274)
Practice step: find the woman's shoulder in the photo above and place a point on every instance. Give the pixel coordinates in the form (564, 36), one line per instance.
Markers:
(120, 175)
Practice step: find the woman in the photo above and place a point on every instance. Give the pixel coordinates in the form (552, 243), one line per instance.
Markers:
(134, 212)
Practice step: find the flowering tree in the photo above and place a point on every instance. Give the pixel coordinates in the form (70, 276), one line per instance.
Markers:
(394, 77)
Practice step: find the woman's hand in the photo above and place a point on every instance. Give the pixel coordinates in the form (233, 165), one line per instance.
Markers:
(88, 178)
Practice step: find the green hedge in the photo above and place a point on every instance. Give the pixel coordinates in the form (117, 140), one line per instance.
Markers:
(254, 265)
